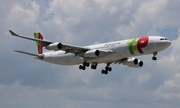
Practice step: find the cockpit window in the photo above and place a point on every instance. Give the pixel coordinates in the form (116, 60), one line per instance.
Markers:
(163, 39)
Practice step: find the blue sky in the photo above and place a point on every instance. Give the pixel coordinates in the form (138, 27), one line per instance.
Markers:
(26, 82)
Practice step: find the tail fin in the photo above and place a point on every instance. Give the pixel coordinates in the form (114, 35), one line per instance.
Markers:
(38, 44)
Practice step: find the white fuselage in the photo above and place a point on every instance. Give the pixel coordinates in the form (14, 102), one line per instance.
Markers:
(121, 49)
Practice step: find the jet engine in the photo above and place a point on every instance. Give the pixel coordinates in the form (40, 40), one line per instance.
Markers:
(140, 64)
(133, 62)
(130, 61)
(92, 53)
(54, 46)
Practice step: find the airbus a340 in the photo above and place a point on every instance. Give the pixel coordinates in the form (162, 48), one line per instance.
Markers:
(117, 52)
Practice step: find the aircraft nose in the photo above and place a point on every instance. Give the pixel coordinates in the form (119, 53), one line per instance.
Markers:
(168, 42)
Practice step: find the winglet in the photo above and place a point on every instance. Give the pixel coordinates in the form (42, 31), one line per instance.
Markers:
(12, 33)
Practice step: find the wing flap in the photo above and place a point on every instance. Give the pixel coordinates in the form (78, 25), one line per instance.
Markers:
(73, 49)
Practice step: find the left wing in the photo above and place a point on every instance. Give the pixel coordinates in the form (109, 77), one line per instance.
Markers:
(77, 50)
(43, 42)
(46, 43)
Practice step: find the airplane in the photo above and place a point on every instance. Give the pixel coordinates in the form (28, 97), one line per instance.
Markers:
(117, 52)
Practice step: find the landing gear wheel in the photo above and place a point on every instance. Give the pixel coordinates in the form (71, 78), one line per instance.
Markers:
(84, 68)
(93, 67)
(81, 67)
(104, 72)
(154, 58)
(108, 69)
(86, 64)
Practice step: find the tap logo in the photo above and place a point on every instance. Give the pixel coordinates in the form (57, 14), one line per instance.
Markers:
(137, 44)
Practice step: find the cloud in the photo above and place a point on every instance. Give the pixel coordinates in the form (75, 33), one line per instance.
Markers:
(169, 90)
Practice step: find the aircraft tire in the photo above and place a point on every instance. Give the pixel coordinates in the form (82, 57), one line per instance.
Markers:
(103, 71)
(80, 67)
(106, 72)
(154, 58)
(109, 69)
(86, 64)
(84, 68)
(93, 67)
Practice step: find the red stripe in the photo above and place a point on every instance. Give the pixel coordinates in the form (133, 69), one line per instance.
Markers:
(40, 50)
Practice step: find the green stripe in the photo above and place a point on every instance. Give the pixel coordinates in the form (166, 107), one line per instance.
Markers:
(132, 45)
(36, 35)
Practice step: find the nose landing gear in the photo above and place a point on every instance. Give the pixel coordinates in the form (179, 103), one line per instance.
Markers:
(154, 56)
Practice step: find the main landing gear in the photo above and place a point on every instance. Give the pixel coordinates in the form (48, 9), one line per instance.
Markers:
(94, 66)
(83, 66)
(154, 56)
(107, 68)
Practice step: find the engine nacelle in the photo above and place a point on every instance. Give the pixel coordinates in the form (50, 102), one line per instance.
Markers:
(130, 61)
(133, 62)
(54, 46)
(92, 53)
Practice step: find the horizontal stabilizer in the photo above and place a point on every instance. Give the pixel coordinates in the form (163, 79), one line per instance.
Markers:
(41, 56)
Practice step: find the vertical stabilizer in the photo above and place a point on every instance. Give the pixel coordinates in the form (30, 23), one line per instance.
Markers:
(38, 44)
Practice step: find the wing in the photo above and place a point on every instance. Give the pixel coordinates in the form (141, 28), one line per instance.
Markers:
(49, 45)
(43, 42)
(65, 47)
(73, 49)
